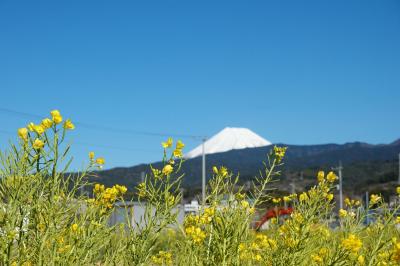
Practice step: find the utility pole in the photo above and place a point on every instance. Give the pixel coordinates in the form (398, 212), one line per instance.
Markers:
(339, 169)
(203, 180)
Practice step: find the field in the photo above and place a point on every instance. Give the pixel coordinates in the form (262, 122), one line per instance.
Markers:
(44, 220)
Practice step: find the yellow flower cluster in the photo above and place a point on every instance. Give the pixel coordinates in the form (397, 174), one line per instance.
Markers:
(352, 243)
(107, 196)
(319, 257)
(342, 213)
(396, 250)
(39, 129)
(177, 153)
(330, 177)
(276, 200)
(142, 190)
(168, 169)
(374, 199)
(289, 197)
(253, 251)
(279, 153)
(38, 144)
(352, 203)
(162, 258)
(74, 228)
(246, 205)
(222, 171)
(56, 116)
(303, 197)
(195, 233)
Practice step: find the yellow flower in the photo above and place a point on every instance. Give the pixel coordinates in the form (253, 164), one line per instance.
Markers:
(279, 153)
(329, 197)
(347, 201)
(321, 176)
(276, 200)
(374, 199)
(178, 153)
(30, 126)
(240, 196)
(317, 259)
(98, 188)
(398, 190)
(56, 116)
(47, 123)
(223, 171)
(215, 170)
(286, 199)
(142, 190)
(244, 203)
(342, 213)
(352, 243)
(121, 189)
(38, 144)
(195, 233)
(331, 177)
(38, 129)
(167, 144)
(91, 155)
(167, 170)
(74, 227)
(68, 124)
(100, 161)
(396, 251)
(303, 197)
(361, 260)
(179, 145)
(23, 133)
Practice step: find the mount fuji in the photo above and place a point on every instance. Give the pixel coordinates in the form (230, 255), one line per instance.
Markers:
(230, 138)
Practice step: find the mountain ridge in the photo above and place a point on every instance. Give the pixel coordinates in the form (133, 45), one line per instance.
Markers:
(357, 158)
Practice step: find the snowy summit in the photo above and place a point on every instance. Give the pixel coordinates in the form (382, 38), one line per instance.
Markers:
(230, 138)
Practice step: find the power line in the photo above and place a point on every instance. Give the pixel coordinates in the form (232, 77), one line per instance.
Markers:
(80, 143)
(105, 128)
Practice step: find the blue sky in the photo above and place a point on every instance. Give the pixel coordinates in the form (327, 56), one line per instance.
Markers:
(297, 72)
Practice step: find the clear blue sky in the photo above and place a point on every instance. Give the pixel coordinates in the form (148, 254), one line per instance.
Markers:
(297, 72)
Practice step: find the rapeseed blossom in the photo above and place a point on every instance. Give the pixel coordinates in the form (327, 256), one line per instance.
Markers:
(38, 144)
(68, 124)
(374, 199)
(47, 123)
(352, 243)
(279, 153)
(168, 169)
(331, 177)
(168, 143)
(23, 133)
(321, 176)
(342, 213)
(56, 116)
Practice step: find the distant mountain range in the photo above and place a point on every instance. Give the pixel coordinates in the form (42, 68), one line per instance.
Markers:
(365, 165)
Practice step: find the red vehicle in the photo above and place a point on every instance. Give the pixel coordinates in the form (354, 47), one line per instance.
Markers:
(273, 213)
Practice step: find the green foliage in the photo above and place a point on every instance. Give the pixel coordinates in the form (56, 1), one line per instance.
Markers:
(45, 220)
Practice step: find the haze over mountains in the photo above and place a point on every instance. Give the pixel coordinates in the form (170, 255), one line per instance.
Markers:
(365, 165)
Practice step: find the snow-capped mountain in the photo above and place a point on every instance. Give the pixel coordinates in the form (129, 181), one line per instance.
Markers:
(230, 138)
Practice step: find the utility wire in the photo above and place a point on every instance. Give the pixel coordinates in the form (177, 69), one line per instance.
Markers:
(105, 128)
(5, 132)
